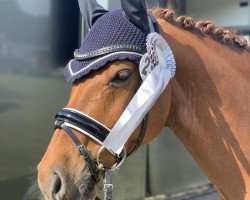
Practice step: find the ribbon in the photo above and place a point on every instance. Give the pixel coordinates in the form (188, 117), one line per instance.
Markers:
(157, 67)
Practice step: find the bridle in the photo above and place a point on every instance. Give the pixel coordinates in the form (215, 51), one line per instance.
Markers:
(69, 118)
(135, 112)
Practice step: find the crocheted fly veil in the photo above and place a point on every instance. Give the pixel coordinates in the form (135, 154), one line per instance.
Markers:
(114, 35)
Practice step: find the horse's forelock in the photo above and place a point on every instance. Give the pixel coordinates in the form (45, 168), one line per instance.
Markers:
(205, 27)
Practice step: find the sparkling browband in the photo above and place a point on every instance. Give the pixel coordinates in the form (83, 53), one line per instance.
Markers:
(107, 50)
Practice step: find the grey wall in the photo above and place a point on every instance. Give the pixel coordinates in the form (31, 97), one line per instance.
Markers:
(32, 89)
(227, 13)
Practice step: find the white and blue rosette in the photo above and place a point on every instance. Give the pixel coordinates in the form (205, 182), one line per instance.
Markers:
(158, 53)
(157, 67)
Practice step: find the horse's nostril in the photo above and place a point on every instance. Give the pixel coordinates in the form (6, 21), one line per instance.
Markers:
(56, 189)
(57, 184)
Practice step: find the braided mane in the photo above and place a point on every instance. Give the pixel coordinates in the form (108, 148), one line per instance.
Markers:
(220, 34)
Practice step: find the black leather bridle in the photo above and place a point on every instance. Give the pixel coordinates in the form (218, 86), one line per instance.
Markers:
(69, 118)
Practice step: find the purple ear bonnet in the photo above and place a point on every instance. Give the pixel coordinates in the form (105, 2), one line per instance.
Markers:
(112, 37)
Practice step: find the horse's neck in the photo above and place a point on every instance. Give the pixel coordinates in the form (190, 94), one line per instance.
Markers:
(210, 109)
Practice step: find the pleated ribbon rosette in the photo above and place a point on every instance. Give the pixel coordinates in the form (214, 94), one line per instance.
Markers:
(157, 67)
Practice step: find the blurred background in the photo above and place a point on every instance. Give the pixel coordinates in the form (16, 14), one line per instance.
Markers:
(37, 38)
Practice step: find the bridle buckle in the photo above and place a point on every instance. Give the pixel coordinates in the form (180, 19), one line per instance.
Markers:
(121, 158)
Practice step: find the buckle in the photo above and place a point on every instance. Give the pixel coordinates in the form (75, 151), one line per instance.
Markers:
(121, 158)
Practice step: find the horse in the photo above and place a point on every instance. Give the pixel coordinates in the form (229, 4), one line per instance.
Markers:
(206, 105)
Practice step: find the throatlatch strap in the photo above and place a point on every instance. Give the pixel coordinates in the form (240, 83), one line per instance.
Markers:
(142, 134)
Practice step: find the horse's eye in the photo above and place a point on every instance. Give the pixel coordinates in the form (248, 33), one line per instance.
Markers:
(121, 76)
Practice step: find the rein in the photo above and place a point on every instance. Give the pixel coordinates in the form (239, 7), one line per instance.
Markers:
(69, 118)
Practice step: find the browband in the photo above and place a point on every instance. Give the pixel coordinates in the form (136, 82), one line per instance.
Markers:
(107, 50)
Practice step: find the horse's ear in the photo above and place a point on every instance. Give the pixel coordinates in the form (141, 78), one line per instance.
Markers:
(91, 11)
(136, 12)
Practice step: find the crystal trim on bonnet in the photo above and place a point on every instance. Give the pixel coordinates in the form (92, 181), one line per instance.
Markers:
(109, 49)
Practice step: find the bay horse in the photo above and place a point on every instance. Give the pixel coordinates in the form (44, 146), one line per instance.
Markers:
(206, 105)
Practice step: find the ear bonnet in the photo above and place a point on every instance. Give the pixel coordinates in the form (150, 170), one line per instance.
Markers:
(114, 35)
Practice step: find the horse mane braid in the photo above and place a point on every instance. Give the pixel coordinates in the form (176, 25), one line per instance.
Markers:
(220, 34)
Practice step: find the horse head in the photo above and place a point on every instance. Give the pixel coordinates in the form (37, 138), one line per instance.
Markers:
(105, 77)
